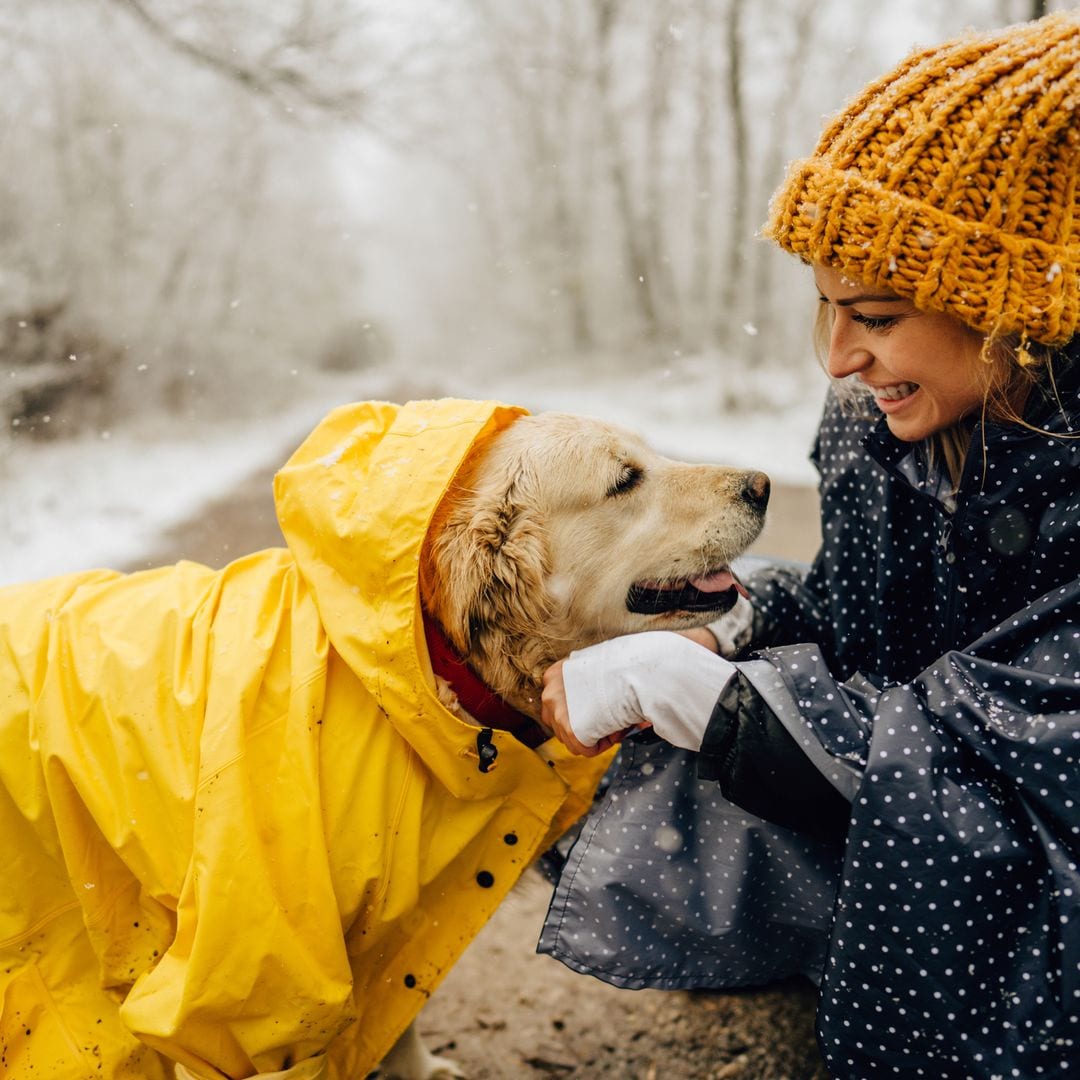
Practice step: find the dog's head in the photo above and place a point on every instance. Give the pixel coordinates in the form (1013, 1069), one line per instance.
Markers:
(562, 531)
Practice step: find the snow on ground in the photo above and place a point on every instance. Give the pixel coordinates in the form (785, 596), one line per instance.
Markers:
(101, 499)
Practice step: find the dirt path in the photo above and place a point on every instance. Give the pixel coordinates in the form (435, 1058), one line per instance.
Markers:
(504, 1012)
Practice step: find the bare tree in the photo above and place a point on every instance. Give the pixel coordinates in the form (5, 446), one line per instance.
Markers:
(703, 194)
(157, 173)
(790, 89)
(739, 158)
(571, 197)
(290, 69)
(532, 181)
(655, 160)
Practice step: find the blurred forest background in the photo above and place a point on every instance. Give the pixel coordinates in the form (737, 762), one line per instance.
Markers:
(203, 201)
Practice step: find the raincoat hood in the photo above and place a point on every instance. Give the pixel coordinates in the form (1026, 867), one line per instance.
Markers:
(354, 504)
(240, 829)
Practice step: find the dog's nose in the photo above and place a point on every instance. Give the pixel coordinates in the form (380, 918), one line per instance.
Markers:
(755, 490)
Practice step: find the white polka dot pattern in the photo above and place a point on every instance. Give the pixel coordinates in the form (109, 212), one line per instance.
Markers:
(670, 885)
(956, 626)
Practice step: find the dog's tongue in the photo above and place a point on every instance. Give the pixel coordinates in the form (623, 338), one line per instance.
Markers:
(720, 581)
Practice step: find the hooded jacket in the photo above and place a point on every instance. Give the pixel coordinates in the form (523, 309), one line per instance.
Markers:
(239, 828)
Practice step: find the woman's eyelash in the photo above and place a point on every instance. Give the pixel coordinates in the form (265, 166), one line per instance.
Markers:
(873, 322)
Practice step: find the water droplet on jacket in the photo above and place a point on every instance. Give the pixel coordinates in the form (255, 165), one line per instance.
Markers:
(668, 838)
(1009, 533)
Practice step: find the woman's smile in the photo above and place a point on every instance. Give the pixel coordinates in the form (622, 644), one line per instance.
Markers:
(893, 397)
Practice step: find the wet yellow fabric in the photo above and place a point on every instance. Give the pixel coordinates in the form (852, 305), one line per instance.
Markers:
(238, 828)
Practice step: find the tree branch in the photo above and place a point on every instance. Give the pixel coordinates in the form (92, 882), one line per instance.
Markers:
(282, 84)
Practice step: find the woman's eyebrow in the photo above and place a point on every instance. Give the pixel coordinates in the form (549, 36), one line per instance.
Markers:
(866, 298)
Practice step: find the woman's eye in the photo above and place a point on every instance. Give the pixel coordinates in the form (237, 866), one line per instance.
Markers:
(629, 477)
(873, 322)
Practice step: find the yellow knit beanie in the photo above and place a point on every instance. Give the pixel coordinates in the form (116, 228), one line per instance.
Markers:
(953, 182)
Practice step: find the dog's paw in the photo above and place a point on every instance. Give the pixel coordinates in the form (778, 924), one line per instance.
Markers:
(445, 1069)
(436, 1067)
(410, 1059)
(433, 1067)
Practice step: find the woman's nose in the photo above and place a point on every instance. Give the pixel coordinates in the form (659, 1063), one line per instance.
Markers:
(847, 354)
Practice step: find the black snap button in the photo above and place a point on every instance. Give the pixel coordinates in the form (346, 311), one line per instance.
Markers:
(485, 879)
(486, 750)
(510, 838)
(410, 981)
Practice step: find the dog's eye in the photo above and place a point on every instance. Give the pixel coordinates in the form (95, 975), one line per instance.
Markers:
(629, 477)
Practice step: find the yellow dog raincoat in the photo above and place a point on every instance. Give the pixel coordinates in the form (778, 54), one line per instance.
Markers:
(238, 829)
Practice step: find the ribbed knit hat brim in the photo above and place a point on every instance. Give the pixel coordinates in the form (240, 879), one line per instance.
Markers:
(953, 182)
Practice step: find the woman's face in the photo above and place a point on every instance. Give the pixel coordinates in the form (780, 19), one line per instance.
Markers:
(922, 368)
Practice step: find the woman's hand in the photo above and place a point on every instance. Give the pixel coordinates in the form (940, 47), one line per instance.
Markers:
(731, 633)
(702, 635)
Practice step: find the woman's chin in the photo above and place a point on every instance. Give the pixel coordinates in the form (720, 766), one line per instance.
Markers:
(905, 431)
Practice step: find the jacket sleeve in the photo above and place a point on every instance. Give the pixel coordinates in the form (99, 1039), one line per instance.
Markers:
(786, 730)
(761, 767)
(786, 605)
(963, 697)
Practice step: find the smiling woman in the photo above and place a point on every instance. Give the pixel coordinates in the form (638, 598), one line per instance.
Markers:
(884, 782)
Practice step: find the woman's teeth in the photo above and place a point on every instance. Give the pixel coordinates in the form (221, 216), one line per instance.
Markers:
(895, 393)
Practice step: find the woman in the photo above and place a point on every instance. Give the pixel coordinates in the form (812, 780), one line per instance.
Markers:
(904, 729)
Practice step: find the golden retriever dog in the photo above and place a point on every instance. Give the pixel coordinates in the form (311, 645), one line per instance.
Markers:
(253, 815)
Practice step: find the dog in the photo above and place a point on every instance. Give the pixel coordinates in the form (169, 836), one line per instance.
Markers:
(254, 815)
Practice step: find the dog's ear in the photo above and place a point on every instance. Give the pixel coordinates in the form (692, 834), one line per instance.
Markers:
(486, 576)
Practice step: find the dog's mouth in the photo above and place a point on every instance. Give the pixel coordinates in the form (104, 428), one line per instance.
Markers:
(716, 591)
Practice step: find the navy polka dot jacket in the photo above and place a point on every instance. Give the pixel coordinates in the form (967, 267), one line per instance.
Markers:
(940, 661)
